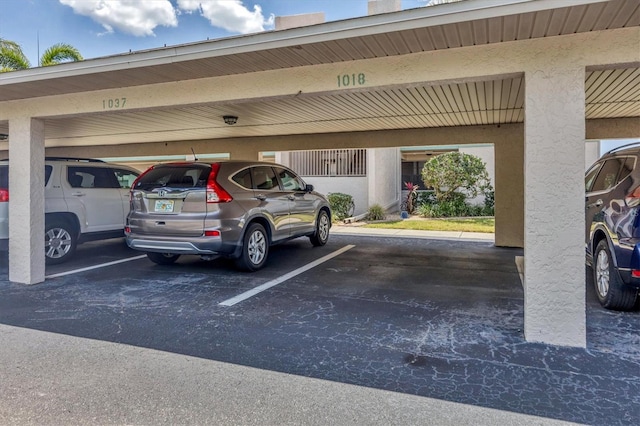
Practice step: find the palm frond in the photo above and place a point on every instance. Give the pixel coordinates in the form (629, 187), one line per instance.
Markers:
(60, 52)
(12, 59)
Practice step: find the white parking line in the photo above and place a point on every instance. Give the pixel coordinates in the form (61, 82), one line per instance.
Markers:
(89, 268)
(247, 294)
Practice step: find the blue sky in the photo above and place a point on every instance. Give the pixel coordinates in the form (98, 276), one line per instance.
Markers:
(107, 27)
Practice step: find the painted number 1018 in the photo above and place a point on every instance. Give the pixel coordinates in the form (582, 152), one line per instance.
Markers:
(349, 80)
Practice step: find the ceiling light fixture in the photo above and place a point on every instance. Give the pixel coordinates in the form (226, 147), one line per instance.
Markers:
(4, 136)
(230, 119)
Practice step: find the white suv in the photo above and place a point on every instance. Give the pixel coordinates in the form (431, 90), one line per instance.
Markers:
(85, 200)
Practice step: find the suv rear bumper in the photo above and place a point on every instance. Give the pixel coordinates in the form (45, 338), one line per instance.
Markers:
(628, 279)
(628, 259)
(198, 246)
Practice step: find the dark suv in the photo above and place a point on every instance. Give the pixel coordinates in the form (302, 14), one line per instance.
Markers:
(613, 226)
(236, 209)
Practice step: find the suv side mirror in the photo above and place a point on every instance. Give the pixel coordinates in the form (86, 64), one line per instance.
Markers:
(308, 188)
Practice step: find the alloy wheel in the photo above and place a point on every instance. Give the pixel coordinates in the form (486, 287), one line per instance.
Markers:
(602, 273)
(57, 243)
(323, 227)
(257, 247)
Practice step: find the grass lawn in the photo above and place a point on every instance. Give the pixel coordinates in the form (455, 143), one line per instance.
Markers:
(471, 224)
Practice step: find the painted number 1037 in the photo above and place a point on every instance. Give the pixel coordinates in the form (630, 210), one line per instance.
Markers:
(350, 80)
(114, 103)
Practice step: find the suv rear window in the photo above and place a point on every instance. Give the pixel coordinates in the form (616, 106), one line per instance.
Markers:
(175, 176)
(243, 178)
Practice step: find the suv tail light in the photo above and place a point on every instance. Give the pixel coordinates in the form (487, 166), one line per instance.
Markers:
(4, 195)
(133, 185)
(633, 198)
(215, 192)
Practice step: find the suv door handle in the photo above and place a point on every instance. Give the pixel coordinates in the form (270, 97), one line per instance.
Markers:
(261, 197)
(78, 194)
(598, 203)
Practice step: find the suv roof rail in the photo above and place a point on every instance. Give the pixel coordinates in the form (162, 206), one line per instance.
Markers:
(78, 159)
(621, 147)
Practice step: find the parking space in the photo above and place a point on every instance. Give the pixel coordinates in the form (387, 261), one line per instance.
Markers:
(435, 318)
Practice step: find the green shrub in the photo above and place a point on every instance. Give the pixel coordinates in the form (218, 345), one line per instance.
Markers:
(427, 210)
(452, 209)
(426, 197)
(375, 212)
(456, 172)
(342, 205)
(489, 200)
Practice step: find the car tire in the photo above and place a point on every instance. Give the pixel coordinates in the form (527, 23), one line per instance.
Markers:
(163, 258)
(610, 290)
(255, 248)
(60, 241)
(321, 234)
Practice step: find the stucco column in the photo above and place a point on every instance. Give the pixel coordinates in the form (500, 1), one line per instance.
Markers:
(26, 200)
(554, 284)
(383, 178)
(509, 191)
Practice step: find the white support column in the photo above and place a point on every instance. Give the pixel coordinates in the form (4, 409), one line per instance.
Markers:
(26, 200)
(382, 177)
(554, 285)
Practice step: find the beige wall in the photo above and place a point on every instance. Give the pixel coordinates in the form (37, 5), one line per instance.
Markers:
(592, 153)
(375, 7)
(295, 21)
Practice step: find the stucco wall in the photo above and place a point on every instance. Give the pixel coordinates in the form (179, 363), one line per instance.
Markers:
(384, 172)
(354, 186)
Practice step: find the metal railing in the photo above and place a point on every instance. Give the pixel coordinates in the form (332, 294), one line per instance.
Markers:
(330, 162)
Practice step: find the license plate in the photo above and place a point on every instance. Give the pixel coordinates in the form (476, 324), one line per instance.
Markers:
(164, 206)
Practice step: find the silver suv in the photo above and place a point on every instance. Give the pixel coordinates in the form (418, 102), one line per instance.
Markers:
(236, 209)
(85, 200)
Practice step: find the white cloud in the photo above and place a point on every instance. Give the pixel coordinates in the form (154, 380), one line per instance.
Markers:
(231, 15)
(135, 17)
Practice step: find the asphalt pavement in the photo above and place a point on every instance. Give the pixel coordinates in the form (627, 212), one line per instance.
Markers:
(355, 343)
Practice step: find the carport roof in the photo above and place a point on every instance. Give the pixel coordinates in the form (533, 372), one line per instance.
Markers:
(460, 24)
(454, 25)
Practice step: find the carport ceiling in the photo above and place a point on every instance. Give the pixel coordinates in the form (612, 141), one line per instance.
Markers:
(610, 93)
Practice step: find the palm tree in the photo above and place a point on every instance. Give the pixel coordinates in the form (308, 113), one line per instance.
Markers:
(58, 53)
(13, 58)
